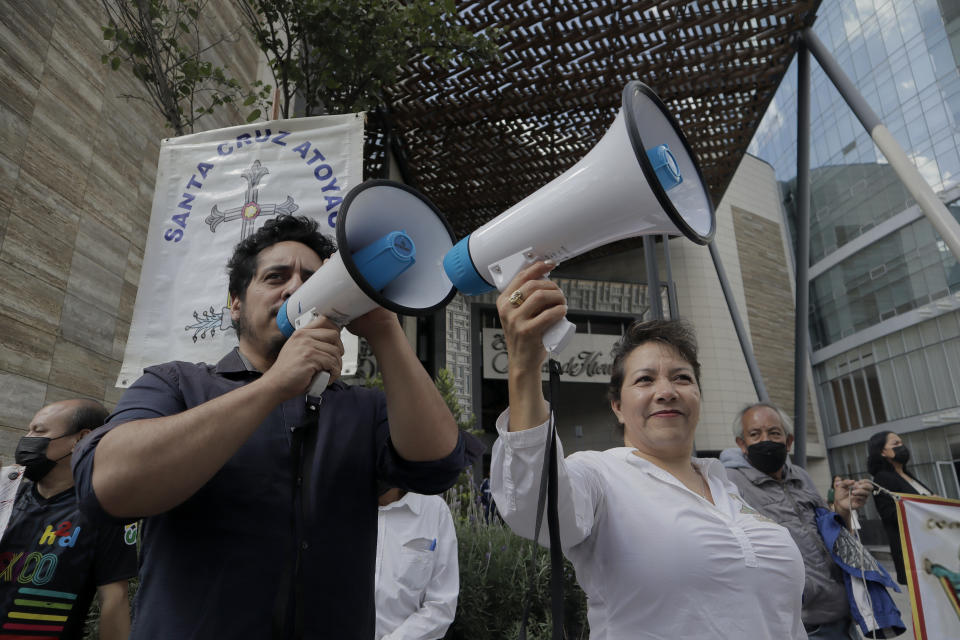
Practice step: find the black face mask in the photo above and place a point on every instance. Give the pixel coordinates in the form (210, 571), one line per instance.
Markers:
(767, 456)
(901, 454)
(32, 454)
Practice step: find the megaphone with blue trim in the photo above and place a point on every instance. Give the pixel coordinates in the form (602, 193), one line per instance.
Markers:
(641, 178)
(391, 241)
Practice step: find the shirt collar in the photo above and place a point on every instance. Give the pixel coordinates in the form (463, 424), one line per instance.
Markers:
(234, 362)
(409, 501)
(705, 465)
(789, 474)
(67, 493)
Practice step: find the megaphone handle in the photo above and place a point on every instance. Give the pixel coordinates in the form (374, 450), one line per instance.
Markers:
(319, 384)
(322, 379)
(558, 336)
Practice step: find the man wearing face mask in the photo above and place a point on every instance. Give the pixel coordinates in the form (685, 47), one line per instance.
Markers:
(52, 559)
(786, 494)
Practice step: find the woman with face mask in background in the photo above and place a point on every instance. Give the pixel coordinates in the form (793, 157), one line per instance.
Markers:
(887, 459)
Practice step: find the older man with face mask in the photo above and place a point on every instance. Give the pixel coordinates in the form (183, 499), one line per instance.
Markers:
(786, 494)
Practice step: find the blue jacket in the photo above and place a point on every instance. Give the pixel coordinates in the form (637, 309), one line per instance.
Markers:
(859, 565)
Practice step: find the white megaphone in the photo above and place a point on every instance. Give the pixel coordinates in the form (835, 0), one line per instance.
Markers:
(640, 179)
(391, 241)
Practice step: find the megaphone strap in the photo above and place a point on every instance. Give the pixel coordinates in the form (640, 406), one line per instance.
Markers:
(549, 488)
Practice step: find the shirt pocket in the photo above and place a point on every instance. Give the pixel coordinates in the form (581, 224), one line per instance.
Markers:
(416, 563)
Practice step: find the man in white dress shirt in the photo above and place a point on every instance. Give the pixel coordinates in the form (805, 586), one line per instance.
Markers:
(417, 573)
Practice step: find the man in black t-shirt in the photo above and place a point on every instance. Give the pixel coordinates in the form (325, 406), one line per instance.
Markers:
(53, 559)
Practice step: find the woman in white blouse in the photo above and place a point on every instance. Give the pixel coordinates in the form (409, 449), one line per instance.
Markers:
(662, 543)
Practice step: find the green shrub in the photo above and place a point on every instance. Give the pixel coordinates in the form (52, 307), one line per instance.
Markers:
(495, 569)
(448, 391)
(91, 630)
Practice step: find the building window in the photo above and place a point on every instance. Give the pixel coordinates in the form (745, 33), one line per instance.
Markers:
(907, 373)
(898, 273)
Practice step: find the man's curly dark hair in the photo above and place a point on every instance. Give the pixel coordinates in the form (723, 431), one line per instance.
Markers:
(243, 263)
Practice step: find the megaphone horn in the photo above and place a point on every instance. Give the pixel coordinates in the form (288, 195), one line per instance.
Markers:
(391, 241)
(601, 199)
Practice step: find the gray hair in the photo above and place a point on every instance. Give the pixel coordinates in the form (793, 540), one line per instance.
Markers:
(785, 420)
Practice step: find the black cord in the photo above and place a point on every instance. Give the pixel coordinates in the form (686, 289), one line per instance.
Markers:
(548, 488)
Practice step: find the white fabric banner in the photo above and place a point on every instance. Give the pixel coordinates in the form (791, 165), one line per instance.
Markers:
(214, 189)
(586, 359)
(10, 478)
(930, 528)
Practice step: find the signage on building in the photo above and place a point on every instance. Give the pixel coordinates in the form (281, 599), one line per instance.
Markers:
(213, 190)
(586, 359)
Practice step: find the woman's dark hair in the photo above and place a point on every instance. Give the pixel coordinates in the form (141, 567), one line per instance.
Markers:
(676, 333)
(875, 460)
(243, 263)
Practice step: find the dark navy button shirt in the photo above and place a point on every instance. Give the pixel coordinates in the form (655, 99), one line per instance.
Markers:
(212, 567)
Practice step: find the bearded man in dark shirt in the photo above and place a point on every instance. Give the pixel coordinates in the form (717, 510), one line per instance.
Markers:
(260, 504)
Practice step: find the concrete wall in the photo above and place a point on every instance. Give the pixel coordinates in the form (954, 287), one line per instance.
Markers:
(77, 168)
(753, 220)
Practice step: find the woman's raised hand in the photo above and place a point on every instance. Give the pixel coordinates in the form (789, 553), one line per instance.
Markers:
(528, 307)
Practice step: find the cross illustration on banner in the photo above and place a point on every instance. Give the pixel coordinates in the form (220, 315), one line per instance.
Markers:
(251, 209)
(208, 321)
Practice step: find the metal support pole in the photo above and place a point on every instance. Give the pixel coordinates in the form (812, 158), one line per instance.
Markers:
(929, 203)
(802, 258)
(671, 285)
(653, 276)
(742, 336)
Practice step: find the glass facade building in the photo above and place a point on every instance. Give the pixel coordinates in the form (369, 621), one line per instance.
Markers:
(885, 290)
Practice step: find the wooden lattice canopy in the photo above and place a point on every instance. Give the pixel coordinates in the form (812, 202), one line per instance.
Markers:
(479, 140)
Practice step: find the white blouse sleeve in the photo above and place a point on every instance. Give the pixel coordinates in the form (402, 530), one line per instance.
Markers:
(515, 472)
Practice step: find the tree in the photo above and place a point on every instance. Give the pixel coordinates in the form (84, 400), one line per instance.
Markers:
(338, 56)
(448, 391)
(162, 43)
